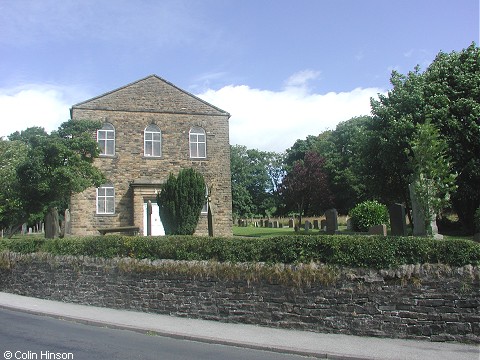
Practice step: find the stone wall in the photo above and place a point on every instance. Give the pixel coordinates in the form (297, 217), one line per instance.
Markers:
(430, 302)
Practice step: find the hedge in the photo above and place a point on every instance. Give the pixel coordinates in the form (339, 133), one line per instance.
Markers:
(347, 250)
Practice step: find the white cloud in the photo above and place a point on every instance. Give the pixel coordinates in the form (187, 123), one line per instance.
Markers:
(261, 119)
(46, 106)
(273, 121)
(300, 79)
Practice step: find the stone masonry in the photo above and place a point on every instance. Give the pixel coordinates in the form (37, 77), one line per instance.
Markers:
(135, 177)
(426, 302)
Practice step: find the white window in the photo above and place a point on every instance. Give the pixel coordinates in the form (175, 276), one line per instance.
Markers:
(106, 199)
(152, 141)
(106, 139)
(198, 143)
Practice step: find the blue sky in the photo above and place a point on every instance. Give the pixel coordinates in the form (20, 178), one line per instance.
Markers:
(284, 69)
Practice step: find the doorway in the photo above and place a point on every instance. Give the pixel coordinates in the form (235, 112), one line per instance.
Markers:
(157, 226)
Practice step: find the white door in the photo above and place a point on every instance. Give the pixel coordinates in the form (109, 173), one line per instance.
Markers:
(157, 226)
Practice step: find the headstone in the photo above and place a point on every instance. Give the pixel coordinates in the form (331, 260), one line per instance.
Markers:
(275, 224)
(52, 229)
(291, 223)
(397, 220)
(378, 230)
(24, 229)
(308, 225)
(68, 223)
(315, 224)
(323, 224)
(349, 224)
(418, 218)
(417, 215)
(476, 237)
(332, 221)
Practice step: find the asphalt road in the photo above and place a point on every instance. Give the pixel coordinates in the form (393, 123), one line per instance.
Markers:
(26, 336)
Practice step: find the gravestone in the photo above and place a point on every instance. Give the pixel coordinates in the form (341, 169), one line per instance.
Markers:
(315, 224)
(378, 230)
(291, 223)
(52, 229)
(418, 218)
(397, 219)
(275, 224)
(417, 215)
(68, 223)
(349, 224)
(307, 225)
(323, 224)
(332, 221)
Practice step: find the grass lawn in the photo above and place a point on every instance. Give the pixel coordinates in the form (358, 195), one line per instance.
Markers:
(269, 232)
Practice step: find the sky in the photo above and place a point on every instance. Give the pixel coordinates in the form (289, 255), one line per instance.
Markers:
(283, 69)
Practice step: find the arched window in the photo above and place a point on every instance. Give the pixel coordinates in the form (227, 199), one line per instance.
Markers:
(106, 199)
(198, 143)
(106, 139)
(152, 141)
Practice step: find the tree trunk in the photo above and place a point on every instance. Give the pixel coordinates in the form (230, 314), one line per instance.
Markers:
(52, 229)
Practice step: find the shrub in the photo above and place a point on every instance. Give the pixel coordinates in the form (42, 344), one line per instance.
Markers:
(180, 202)
(368, 213)
(346, 250)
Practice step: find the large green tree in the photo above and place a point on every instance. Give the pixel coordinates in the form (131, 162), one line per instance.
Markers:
(452, 96)
(56, 165)
(12, 210)
(341, 149)
(255, 177)
(448, 93)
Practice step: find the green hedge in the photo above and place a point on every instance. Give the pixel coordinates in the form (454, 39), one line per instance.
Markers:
(348, 250)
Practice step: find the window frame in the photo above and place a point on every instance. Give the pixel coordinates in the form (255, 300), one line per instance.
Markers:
(196, 132)
(103, 199)
(107, 132)
(152, 141)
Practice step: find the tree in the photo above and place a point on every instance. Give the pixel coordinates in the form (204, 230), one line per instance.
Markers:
(255, 178)
(433, 180)
(384, 162)
(305, 188)
(452, 93)
(448, 93)
(180, 202)
(56, 166)
(12, 153)
(299, 149)
(341, 149)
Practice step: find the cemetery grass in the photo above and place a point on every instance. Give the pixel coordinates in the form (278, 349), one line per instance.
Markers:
(251, 231)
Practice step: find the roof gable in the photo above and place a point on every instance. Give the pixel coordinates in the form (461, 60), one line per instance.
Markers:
(151, 94)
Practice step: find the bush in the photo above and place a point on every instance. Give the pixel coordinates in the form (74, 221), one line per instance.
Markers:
(180, 202)
(345, 250)
(367, 214)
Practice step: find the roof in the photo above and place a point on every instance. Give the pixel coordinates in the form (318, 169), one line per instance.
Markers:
(151, 94)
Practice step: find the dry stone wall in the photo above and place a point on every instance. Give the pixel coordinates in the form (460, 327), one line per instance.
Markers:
(430, 302)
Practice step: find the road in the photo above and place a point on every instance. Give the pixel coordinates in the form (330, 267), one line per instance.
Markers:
(33, 337)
